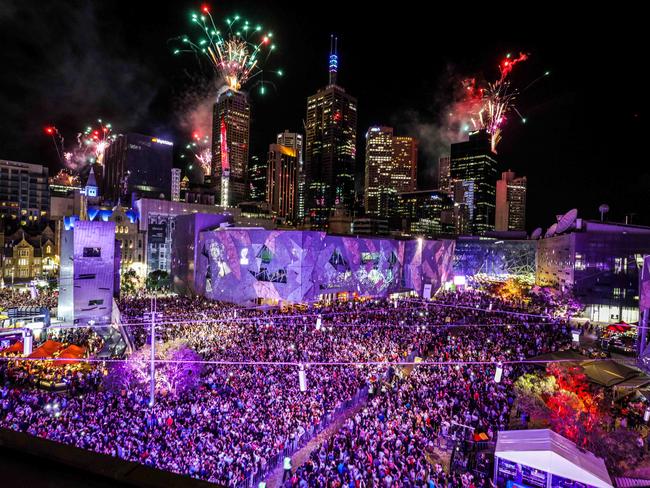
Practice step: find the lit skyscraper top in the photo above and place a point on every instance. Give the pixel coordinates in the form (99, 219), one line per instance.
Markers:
(334, 59)
(330, 149)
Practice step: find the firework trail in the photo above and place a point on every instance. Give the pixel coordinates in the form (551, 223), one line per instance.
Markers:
(236, 54)
(508, 63)
(201, 152)
(58, 141)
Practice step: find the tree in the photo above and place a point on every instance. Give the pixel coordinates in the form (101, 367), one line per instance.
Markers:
(158, 280)
(176, 377)
(130, 282)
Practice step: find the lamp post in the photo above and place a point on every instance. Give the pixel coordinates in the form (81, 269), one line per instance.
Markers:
(152, 316)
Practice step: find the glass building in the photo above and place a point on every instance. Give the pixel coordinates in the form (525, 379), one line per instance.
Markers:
(137, 166)
(494, 257)
(425, 212)
(474, 161)
(600, 263)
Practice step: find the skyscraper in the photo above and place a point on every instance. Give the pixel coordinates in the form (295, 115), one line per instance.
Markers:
(404, 176)
(282, 181)
(137, 166)
(391, 168)
(511, 202)
(294, 141)
(444, 177)
(379, 155)
(474, 161)
(230, 144)
(257, 179)
(176, 184)
(330, 148)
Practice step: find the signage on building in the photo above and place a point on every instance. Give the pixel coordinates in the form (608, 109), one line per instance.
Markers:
(157, 233)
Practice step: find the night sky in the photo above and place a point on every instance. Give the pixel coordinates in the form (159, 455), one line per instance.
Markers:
(68, 63)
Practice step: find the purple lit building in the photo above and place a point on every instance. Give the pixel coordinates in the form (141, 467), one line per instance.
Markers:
(89, 271)
(252, 265)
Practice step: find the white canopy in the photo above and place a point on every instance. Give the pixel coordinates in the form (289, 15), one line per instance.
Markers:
(547, 451)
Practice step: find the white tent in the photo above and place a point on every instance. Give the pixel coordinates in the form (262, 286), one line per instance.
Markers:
(547, 451)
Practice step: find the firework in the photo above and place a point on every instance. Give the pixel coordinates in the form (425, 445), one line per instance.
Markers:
(201, 152)
(236, 53)
(94, 141)
(91, 145)
(488, 108)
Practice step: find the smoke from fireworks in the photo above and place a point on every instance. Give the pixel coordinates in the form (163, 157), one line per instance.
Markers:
(91, 145)
(236, 54)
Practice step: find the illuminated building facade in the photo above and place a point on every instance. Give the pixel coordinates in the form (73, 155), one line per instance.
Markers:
(425, 212)
(176, 184)
(25, 257)
(282, 181)
(599, 262)
(510, 202)
(495, 257)
(474, 161)
(137, 166)
(248, 266)
(257, 179)
(391, 168)
(444, 175)
(24, 193)
(330, 150)
(230, 146)
(295, 141)
(89, 272)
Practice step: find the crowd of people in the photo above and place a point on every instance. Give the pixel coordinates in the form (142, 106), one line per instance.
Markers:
(245, 410)
(11, 297)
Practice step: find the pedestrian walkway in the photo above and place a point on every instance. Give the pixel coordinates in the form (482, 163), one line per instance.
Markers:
(301, 456)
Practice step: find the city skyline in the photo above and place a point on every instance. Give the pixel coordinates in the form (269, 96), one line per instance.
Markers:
(558, 135)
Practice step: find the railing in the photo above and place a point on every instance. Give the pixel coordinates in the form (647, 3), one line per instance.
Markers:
(296, 443)
(326, 420)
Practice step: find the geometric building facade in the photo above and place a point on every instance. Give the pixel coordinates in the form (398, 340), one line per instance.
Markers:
(247, 265)
(89, 272)
(495, 257)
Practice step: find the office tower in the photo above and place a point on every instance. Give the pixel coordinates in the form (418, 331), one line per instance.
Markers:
(391, 168)
(404, 176)
(474, 161)
(379, 155)
(137, 166)
(330, 149)
(176, 184)
(294, 140)
(425, 212)
(282, 181)
(510, 202)
(444, 177)
(230, 144)
(24, 194)
(257, 179)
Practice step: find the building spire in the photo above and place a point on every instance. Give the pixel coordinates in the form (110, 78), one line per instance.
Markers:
(334, 59)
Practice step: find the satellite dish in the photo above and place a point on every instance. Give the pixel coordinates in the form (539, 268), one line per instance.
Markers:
(603, 209)
(537, 233)
(551, 231)
(567, 221)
